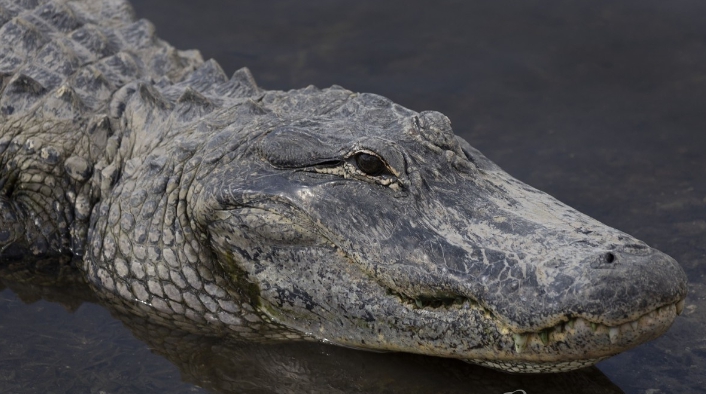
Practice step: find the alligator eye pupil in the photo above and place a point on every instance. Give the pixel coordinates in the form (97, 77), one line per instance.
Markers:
(369, 164)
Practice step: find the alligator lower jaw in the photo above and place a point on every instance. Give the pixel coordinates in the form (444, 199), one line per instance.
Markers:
(577, 343)
(566, 346)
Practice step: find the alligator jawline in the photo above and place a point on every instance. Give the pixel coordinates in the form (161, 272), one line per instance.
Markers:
(546, 335)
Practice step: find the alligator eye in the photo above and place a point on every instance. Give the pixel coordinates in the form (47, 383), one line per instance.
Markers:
(369, 164)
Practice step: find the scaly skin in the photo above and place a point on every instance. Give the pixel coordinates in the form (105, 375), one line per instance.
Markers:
(213, 205)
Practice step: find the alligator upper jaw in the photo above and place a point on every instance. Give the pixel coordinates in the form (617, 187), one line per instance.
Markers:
(531, 260)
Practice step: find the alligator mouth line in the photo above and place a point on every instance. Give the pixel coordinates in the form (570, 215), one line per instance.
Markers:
(549, 335)
(558, 332)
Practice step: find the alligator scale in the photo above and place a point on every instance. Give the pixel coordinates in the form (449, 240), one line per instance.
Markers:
(211, 204)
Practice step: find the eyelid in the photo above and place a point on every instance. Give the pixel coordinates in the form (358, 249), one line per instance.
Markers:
(354, 152)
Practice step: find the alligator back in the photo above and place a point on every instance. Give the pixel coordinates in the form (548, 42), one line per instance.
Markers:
(61, 63)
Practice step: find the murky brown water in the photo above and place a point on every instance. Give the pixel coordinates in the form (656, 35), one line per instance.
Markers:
(600, 104)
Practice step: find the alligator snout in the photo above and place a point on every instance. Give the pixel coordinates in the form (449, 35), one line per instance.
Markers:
(526, 292)
(629, 282)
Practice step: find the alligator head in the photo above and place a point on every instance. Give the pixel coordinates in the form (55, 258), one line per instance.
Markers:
(362, 223)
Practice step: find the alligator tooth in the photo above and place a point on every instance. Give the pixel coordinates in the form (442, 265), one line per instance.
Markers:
(594, 327)
(520, 342)
(647, 319)
(570, 323)
(544, 336)
(613, 334)
(419, 303)
(680, 306)
(634, 325)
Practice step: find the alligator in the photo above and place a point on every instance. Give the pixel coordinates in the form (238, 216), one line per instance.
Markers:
(216, 206)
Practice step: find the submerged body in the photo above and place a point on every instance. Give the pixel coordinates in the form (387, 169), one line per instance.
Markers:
(211, 204)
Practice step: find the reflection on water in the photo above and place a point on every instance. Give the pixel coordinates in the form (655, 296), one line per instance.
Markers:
(53, 339)
(599, 103)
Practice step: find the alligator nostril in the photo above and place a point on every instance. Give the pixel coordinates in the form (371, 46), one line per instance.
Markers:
(609, 257)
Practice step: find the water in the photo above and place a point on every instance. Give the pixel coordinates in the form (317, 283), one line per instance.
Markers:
(598, 103)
